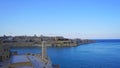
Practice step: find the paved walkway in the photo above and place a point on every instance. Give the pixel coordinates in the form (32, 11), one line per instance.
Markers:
(36, 62)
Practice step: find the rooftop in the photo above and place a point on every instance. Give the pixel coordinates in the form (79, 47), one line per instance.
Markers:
(19, 59)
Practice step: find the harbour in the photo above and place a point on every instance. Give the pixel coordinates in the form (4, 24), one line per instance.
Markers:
(59, 33)
(94, 55)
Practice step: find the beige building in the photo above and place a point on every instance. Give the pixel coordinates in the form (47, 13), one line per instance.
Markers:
(4, 53)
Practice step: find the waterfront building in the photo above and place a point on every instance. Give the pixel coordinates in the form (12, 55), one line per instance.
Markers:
(4, 53)
(60, 41)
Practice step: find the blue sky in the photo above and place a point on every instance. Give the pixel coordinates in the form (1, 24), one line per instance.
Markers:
(68, 18)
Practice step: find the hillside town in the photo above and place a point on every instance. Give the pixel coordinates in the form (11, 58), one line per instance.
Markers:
(57, 41)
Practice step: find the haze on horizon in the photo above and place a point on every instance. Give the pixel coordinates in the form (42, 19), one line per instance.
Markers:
(90, 19)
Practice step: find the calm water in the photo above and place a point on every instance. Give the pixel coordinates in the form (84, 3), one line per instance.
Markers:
(95, 55)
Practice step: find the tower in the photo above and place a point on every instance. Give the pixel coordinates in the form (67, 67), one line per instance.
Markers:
(44, 54)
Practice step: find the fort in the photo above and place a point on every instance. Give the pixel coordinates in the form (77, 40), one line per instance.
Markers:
(27, 41)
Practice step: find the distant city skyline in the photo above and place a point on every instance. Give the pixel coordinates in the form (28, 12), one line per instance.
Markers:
(89, 19)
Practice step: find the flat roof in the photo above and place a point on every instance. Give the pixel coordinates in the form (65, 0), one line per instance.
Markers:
(24, 67)
(19, 59)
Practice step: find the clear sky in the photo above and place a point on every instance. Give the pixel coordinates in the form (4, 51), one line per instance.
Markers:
(69, 18)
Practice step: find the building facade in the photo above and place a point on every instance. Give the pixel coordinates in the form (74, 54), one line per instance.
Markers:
(4, 53)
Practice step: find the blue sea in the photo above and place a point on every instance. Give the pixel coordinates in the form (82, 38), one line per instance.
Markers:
(101, 54)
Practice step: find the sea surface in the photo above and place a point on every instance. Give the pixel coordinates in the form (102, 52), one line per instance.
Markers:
(102, 54)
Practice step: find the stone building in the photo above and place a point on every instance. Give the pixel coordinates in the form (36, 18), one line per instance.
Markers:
(60, 41)
(4, 53)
